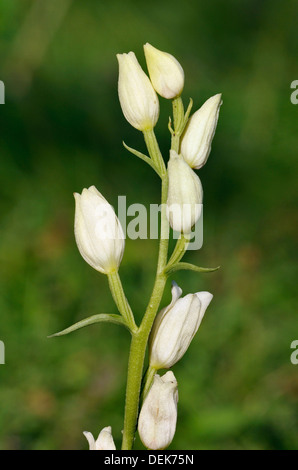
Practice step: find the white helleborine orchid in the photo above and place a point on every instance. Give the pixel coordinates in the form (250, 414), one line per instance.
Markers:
(158, 416)
(103, 442)
(185, 194)
(166, 74)
(197, 138)
(98, 232)
(175, 327)
(138, 99)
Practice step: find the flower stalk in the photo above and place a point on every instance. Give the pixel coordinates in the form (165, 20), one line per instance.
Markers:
(140, 338)
(121, 300)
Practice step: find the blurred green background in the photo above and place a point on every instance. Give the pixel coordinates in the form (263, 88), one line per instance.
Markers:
(62, 130)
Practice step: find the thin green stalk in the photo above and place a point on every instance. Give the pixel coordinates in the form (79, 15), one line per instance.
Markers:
(140, 339)
(143, 157)
(179, 250)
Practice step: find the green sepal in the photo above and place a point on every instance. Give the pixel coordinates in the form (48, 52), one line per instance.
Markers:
(178, 115)
(180, 119)
(191, 267)
(102, 317)
(186, 116)
(170, 126)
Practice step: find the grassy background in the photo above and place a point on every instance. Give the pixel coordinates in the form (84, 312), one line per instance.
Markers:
(61, 130)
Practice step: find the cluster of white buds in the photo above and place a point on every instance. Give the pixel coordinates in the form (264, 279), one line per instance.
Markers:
(139, 103)
(137, 93)
(104, 441)
(98, 232)
(185, 194)
(175, 327)
(158, 416)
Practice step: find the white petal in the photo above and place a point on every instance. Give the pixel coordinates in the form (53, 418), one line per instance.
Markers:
(185, 194)
(166, 73)
(197, 139)
(137, 97)
(90, 440)
(105, 440)
(98, 232)
(205, 299)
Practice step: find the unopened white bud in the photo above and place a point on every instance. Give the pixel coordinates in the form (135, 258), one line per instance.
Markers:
(166, 74)
(197, 138)
(103, 442)
(138, 99)
(98, 232)
(185, 194)
(175, 327)
(158, 417)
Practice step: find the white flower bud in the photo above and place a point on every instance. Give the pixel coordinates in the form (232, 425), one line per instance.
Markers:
(138, 99)
(197, 138)
(185, 194)
(98, 232)
(175, 327)
(166, 74)
(158, 417)
(103, 442)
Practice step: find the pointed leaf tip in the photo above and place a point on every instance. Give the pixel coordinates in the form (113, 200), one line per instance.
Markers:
(102, 317)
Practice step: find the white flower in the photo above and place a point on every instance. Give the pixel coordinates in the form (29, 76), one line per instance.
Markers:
(158, 417)
(175, 327)
(197, 138)
(98, 232)
(185, 194)
(103, 442)
(166, 74)
(138, 99)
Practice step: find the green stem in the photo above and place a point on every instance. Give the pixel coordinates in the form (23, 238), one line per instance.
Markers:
(120, 300)
(133, 387)
(140, 338)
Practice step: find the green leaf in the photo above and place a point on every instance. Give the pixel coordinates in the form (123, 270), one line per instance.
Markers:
(191, 267)
(142, 156)
(102, 317)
